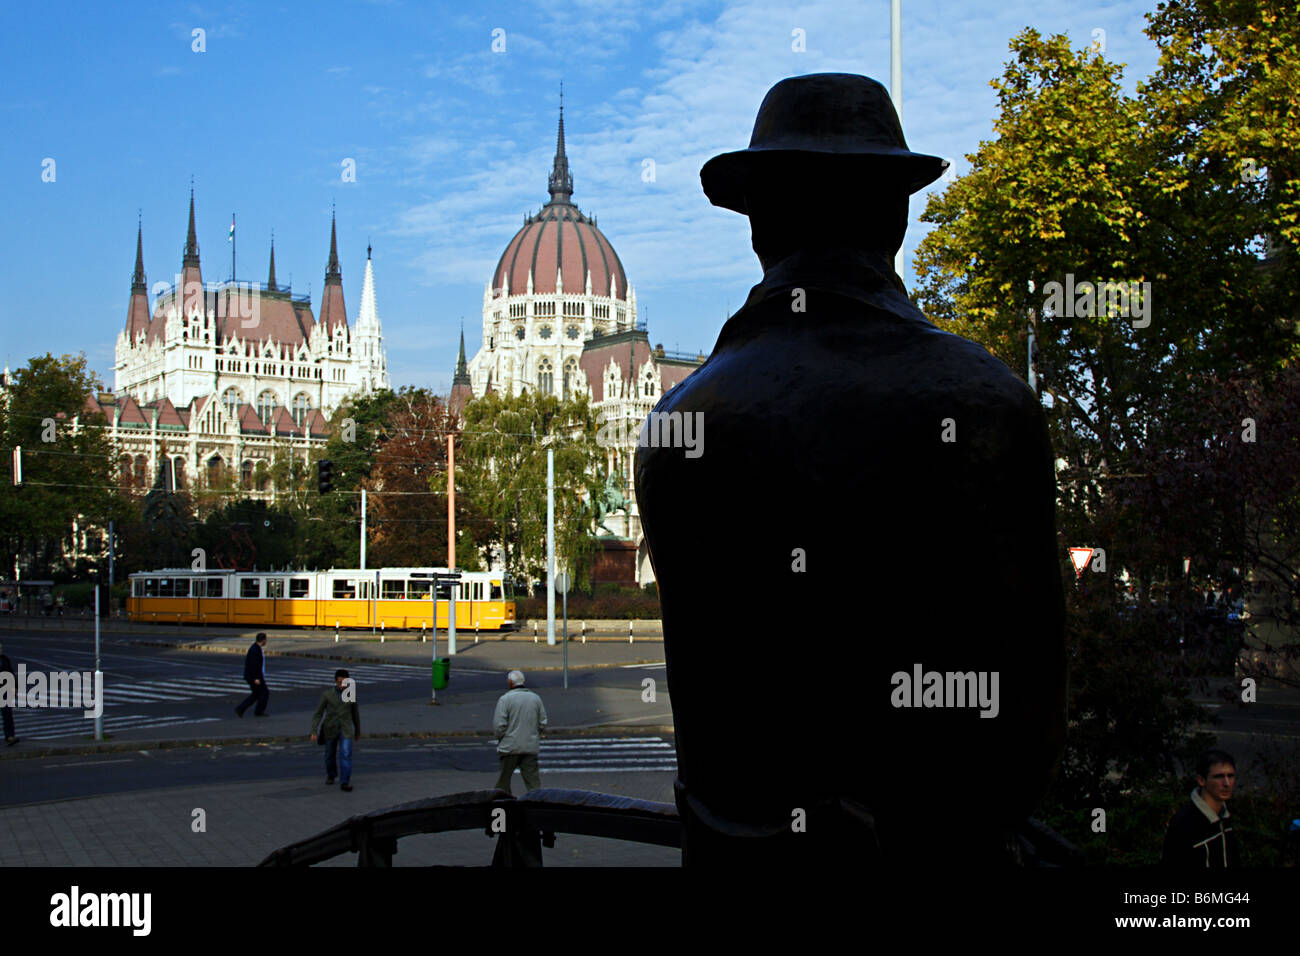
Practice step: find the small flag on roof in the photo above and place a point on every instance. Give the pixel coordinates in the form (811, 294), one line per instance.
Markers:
(231, 237)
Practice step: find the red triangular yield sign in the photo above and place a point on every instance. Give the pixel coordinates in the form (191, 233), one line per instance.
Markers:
(1080, 557)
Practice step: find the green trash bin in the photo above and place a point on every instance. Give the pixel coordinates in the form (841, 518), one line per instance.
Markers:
(441, 666)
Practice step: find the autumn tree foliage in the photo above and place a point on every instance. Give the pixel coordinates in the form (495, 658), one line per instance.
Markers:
(408, 486)
(1191, 189)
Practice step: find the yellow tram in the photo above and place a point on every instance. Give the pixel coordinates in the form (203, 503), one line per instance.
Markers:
(388, 597)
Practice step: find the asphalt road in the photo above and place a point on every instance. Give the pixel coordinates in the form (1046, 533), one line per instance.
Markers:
(153, 688)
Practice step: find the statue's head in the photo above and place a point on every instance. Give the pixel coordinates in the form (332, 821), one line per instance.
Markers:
(826, 166)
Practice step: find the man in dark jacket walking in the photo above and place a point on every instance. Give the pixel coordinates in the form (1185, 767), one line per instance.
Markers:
(342, 722)
(7, 667)
(255, 674)
(1200, 832)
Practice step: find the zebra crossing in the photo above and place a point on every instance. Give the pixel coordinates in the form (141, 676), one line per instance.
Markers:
(607, 755)
(51, 723)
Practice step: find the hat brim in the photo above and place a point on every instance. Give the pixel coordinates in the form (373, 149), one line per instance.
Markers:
(726, 178)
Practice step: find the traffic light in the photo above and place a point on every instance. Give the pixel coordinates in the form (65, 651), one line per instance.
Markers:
(324, 476)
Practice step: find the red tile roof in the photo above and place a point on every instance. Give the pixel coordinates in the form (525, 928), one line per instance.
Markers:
(282, 422)
(131, 414)
(560, 233)
(316, 423)
(166, 412)
(249, 423)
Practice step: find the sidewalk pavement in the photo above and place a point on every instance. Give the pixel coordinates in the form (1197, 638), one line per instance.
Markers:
(246, 821)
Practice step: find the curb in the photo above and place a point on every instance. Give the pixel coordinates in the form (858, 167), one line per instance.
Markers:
(108, 747)
(352, 659)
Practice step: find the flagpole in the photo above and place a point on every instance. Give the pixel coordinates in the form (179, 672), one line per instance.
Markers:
(232, 247)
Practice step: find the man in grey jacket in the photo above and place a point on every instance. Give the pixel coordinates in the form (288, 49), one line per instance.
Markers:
(518, 723)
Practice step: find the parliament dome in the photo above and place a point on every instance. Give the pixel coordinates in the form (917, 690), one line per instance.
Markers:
(559, 239)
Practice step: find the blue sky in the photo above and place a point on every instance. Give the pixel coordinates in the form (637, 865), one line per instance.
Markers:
(452, 143)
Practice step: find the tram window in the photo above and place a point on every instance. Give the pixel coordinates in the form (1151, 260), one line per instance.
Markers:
(496, 591)
(394, 590)
(510, 589)
(198, 587)
(345, 589)
(250, 587)
(419, 590)
(298, 587)
(139, 587)
(150, 587)
(275, 587)
(215, 587)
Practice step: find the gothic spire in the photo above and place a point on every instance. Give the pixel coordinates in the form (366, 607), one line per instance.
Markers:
(462, 369)
(332, 269)
(270, 279)
(560, 182)
(137, 278)
(191, 240)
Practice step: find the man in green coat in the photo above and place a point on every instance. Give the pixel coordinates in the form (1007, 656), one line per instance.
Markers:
(342, 722)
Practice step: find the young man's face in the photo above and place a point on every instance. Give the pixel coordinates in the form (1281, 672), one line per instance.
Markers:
(1219, 783)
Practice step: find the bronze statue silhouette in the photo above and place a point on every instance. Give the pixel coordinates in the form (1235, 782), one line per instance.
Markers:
(853, 441)
(610, 499)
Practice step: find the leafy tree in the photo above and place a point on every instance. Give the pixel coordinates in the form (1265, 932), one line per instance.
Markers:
(67, 475)
(504, 473)
(408, 503)
(249, 533)
(1084, 183)
(332, 527)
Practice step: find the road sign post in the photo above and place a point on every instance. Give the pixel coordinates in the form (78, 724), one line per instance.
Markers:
(562, 585)
(99, 683)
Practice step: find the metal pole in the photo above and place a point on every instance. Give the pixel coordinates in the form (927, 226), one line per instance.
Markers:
(896, 90)
(550, 546)
(99, 677)
(566, 638)
(451, 618)
(363, 529)
(451, 503)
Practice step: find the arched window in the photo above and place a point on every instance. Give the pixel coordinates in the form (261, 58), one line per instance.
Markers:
(124, 470)
(648, 386)
(570, 377)
(266, 406)
(301, 406)
(178, 470)
(246, 475)
(545, 377)
(141, 479)
(232, 398)
(215, 468)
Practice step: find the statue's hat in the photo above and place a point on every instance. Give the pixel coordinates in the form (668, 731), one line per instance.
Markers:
(809, 119)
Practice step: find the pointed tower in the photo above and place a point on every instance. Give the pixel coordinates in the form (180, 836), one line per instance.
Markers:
(270, 276)
(191, 274)
(560, 183)
(137, 309)
(461, 390)
(332, 312)
(369, 347)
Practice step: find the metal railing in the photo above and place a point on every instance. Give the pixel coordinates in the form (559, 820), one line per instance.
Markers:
(521, 827)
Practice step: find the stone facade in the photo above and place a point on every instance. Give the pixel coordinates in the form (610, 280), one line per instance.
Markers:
(227, 376)
(560, 317)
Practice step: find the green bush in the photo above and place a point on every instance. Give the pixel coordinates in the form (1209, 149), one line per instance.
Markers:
(77, 594)
(611, 601)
